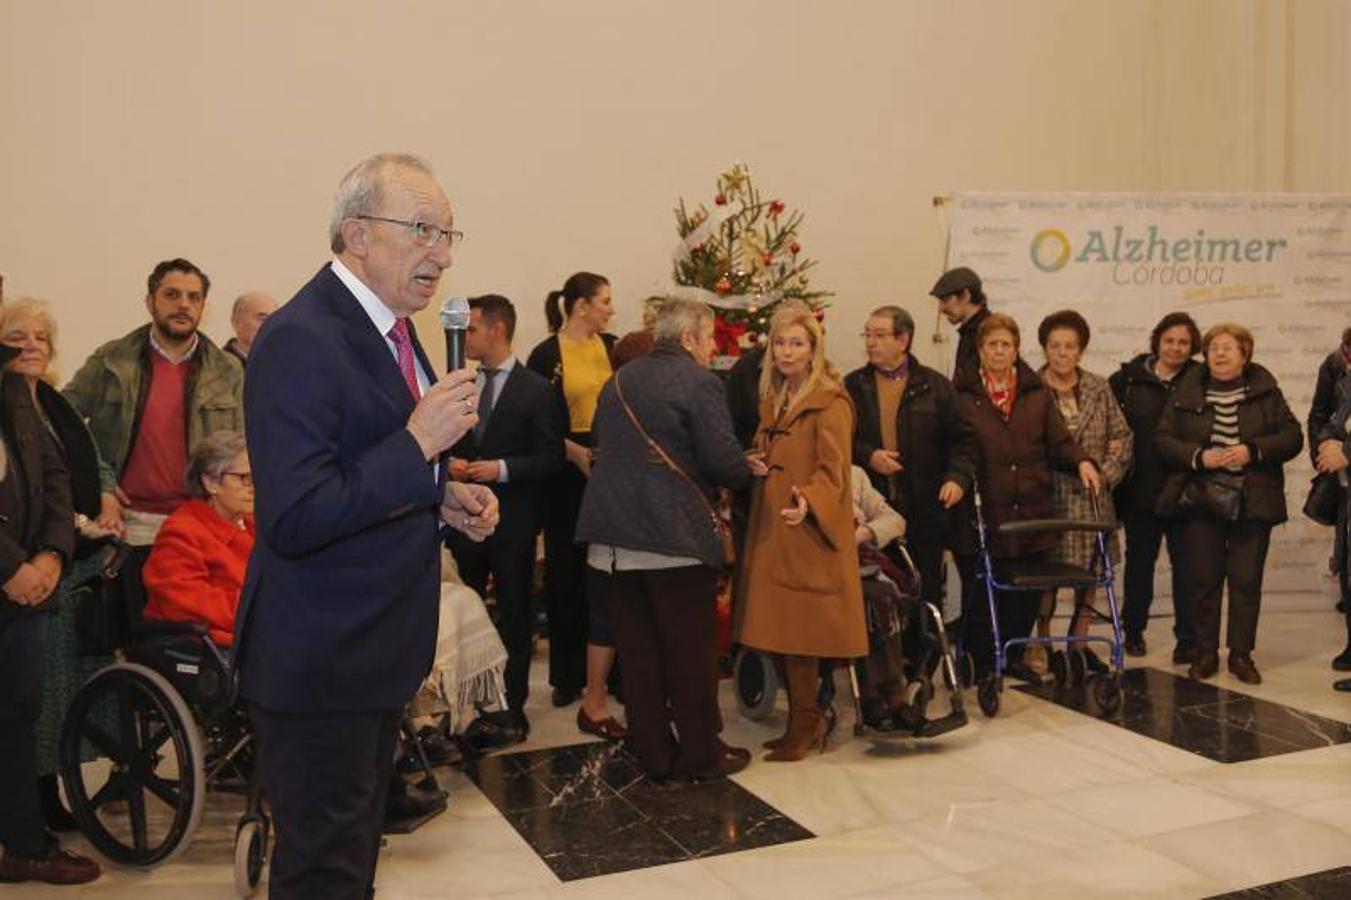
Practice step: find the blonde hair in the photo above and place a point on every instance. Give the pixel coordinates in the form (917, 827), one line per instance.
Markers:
(1241, 336)
(23, 310)
(820, 372)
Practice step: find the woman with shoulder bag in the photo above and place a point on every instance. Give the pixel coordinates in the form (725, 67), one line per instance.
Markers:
(655, 551)
(1224, 438)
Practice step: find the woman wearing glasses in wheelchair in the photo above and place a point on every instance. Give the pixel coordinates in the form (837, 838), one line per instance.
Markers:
(195, 572)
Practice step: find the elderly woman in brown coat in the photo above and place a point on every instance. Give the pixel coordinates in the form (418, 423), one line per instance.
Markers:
(1099, 427)
(1023, 438)
(800, 594)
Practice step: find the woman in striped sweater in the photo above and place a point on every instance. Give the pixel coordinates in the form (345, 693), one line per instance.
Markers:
(1225, 436)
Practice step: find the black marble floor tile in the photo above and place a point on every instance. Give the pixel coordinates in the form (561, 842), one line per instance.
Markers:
(587, 810)
(714, 817)
(1201, 717)
(1334, 884)
(598, 837)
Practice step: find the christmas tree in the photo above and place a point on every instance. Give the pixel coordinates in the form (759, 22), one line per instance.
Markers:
(743, 257)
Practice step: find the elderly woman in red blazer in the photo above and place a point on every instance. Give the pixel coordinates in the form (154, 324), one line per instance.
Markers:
(196, 569)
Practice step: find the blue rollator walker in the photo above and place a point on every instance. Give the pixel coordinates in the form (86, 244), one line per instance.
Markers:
(1068, 666)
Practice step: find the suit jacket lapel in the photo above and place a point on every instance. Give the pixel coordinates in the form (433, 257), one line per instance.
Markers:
(369, 347)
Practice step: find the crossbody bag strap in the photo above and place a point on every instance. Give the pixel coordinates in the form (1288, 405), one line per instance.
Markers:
(661, 452)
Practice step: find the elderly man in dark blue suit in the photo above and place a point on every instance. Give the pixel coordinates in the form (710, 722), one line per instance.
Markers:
(347, 426)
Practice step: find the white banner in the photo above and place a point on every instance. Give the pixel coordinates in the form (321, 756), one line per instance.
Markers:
(1279, 264)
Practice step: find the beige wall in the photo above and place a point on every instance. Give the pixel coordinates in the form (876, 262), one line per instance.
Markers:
(141, 130)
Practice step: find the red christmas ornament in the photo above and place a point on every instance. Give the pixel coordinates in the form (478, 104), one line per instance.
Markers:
(795, 248)
(721, 199)
(697, 248)
(775, 207)
(820, 314)
(723, 286)
(727, 337)
(767, 257)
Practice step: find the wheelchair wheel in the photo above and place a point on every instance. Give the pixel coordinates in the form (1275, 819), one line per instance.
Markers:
(250, 854)
(140, 802)
(1060, 668)
(757, 684)
(1078, 663)
(987, 695)
(1107, 691)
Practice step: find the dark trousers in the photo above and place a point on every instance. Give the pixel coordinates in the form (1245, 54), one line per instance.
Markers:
(927, 554)
(1218, 553)
(21, 660)
(1145, 533)
(665, 626)
(511, 563)
(1017, 611)
(325, 777)
(565, 581)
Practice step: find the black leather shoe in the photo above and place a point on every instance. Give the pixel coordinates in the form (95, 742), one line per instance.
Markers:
(564, 696)
(1241, 667)
(1184, 653)
(1022, 672)
(1135, 645)
(730, 761)
(1206, 664)
(407, 801)
(1094, 662)
(56, 866)
(1342, 661)
(1342, 684)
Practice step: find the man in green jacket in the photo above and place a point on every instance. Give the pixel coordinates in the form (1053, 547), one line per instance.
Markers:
(150, 397)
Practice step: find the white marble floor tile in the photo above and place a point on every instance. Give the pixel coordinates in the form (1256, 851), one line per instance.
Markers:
(825, 800)
(1256, 849)
(1045, 763)
(1141, 808)
(872, 861)
(1335, 812)
(1135, 749)
(1119, 870)
(951, 887)
(1282, 781)
(976, 836)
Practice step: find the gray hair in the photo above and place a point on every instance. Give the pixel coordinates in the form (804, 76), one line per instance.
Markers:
(901, 321)
(678, 315)
(212, 457)
(361, 191)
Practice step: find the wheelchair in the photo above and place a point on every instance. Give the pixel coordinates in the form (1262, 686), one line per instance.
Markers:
(902, 629)
(148, 736)
(1069, 665)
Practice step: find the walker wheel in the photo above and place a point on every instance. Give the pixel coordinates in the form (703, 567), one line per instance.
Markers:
(1078, 665)
(987, 695)
(1060, 667)
(966, 670)
(1107, 691)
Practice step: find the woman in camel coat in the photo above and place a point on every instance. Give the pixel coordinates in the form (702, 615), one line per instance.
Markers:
(799, 588)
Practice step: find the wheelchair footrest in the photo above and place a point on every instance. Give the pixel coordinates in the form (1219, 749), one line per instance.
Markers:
(412, 823)
(950, 722)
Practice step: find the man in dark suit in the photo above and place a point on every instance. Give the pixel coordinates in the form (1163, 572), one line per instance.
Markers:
(346, 427)
(912, 439)
(516, 445)
(962, 302)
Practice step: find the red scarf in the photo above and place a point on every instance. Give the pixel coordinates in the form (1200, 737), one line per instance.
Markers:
(1001, 396)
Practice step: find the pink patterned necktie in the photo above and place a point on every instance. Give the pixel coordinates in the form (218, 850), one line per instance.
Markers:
(403, 344)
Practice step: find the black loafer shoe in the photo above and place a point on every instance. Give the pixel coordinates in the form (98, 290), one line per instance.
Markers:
(1184, 654)
(1135, 645)
(1342, 661)
(564, 697)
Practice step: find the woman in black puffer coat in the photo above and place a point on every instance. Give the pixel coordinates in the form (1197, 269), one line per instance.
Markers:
(1226, 436)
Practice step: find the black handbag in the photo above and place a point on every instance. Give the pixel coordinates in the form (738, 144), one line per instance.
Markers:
(1325, 498)
(104, 605)
(1216, 494)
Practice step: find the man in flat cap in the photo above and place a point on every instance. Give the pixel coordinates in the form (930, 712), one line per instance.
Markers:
(962, 302)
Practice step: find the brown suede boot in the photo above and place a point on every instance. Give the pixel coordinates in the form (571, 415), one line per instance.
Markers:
(774, 743)
(807, 724)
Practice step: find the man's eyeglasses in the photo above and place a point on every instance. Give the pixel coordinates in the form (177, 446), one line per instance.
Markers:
(879, 335)
(245, 478)
(425, 234)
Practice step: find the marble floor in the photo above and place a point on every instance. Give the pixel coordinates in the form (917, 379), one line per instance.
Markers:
(1225, 790)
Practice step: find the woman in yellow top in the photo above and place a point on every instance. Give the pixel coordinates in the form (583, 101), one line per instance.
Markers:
(799, 590)
(576, 361)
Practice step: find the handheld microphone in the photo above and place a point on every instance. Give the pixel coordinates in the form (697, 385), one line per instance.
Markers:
(455, 321)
